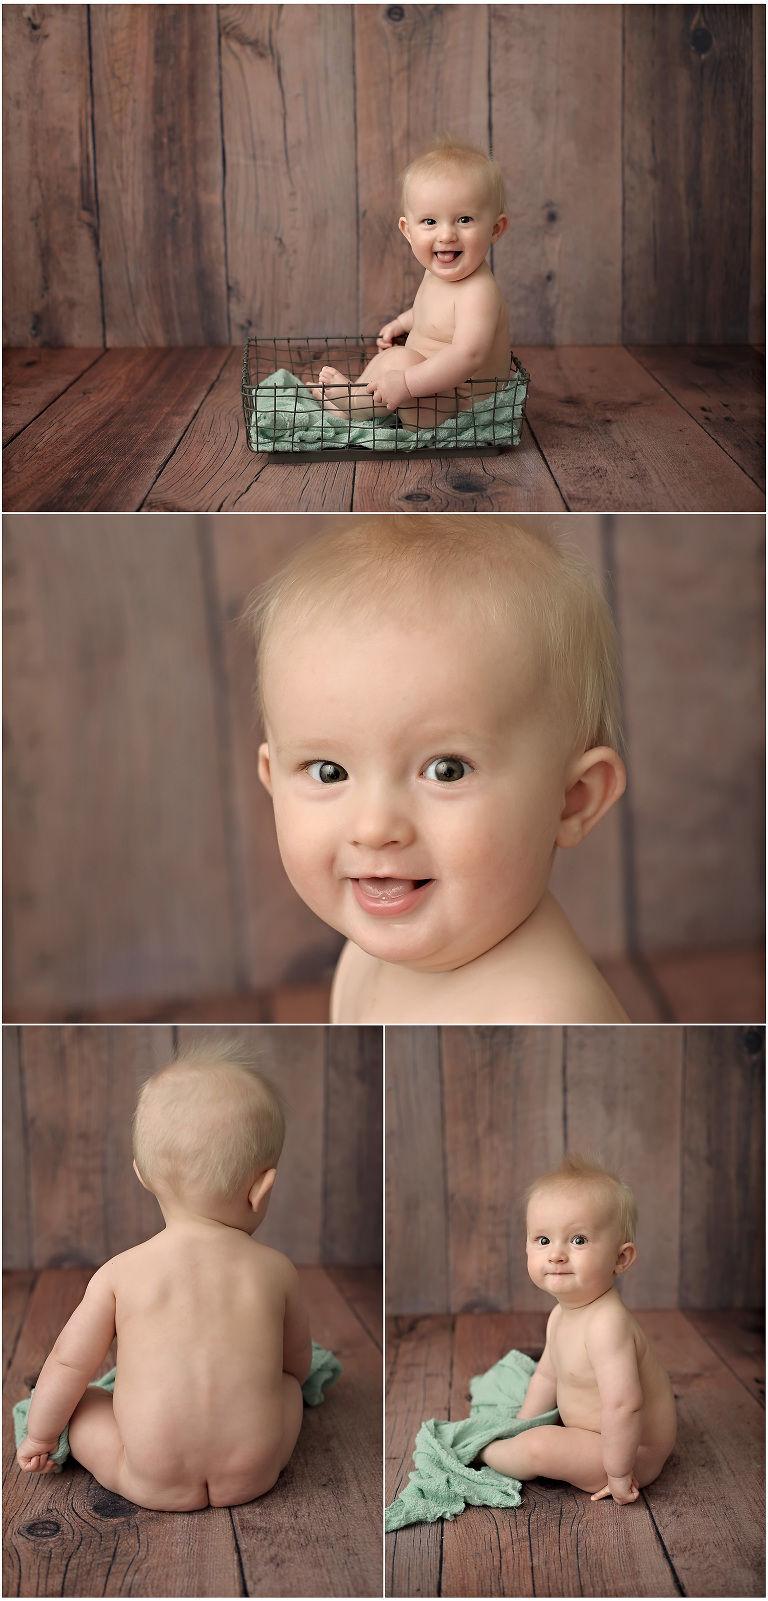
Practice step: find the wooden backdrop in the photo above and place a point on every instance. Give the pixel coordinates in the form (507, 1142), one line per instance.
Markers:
(71, 1197)
(180, 174)
(473, 1115)
(141, 864)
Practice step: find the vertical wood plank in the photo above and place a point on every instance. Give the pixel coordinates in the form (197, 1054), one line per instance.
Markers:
(756, 332)
(723, 1213)
(52, 291)
(419, 70)
(503, 1124)
(117, 868)
(556, 118)
(622, 1101)
(289, 132)
(293, 1058)
(159, 157)
(352, 1151)
(687, 159)
(17, 1245)
(416, 1220)
(419, 1387)
(689, 594)
(285, 943)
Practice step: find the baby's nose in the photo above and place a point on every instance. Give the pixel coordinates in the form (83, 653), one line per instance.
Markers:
(380, 820)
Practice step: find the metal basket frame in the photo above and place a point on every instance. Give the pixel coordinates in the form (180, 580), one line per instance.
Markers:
(305, 354)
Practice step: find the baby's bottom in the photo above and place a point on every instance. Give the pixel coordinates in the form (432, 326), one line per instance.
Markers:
(94, 1440)
(575, 1455)
(354, 401)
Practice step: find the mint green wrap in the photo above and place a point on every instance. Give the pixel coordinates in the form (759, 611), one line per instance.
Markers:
(285, 416)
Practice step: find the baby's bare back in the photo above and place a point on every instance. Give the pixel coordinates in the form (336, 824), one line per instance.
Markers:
(200, 1353)
(578, 1395)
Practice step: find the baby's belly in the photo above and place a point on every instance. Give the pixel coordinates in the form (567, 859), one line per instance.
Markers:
(496, 367)
(579, 1408)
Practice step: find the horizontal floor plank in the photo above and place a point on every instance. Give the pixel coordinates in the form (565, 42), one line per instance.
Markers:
(516, 480)
(101, 446)
(361, 1288)
(738, 1337)
(725, 986)
(722, 387)
(32, 379)
(17, 1290)
(614, 439)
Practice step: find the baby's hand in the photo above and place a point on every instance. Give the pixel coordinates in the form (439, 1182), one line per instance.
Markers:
(389, 333)
(390, 390)
(623, 1490)
(32, 1456)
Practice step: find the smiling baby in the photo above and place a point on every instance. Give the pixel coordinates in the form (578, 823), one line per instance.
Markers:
(439, 699)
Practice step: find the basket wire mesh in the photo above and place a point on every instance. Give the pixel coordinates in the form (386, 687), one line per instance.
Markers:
(278, 417)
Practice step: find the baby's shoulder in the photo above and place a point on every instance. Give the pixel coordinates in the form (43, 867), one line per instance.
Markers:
(272, 1264)
(348, 981)
(608, 1321)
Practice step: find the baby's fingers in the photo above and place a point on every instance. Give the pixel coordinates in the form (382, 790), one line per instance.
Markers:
(601, 1493)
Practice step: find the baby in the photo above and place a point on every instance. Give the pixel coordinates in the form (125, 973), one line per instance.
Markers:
(458, 326)
(212, 1334)
(598, 1368)
(440, 708)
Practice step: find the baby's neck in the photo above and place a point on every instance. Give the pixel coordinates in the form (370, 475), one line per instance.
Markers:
(185, 1220)
(569, 1310)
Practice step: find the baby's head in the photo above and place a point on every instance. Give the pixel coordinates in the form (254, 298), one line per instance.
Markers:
(439, 698)
(207, 1134)
(580, 1223)
(454, 208)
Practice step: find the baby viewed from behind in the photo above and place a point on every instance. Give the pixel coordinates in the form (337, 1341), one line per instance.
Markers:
(212, 1333)
(458, 326)
(612, 1392)
(439, 701)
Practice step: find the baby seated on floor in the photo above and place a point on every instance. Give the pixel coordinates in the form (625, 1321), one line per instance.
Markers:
(458, 326)
(439, 702)
(598, 1367)
(213, 1336)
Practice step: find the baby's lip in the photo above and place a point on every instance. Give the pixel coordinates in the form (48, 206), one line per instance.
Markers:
(381, 895)
(447, 255)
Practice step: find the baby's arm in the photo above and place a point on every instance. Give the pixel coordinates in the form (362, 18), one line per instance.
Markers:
(541, 1394)
(297, 1345)
(611, 1350)
(79, 1351)
(391, 330)
(477, 315)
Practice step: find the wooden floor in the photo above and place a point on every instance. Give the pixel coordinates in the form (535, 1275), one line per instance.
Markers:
(609, 428)
(697, 1531)
(317, 1533)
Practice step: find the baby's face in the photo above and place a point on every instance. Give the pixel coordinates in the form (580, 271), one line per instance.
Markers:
(572, 1244)
(418, 772)
(450, 224)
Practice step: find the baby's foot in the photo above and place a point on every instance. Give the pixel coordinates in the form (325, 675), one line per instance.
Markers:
(344, 397)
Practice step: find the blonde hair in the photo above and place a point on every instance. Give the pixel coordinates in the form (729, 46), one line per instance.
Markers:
(450, 153)
(505, 568)
(588, 1172)
(207, 1121)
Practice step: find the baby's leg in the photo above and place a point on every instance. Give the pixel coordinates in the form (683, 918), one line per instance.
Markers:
(236, 1487)
(550, 1452)
(352, 399)
(94, 1439)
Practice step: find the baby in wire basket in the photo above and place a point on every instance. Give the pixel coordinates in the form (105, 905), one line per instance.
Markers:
(440, 705)
(598, 1368)
(458, 326)
(213, 1334)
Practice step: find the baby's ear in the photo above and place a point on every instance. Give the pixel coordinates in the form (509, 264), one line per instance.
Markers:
(261, 1187)
(264, 773)
(403, 226)
(627, 1255)
(596, 781)
(500, 226)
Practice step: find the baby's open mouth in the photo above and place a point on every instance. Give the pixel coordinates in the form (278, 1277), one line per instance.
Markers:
(447, 256)
(383, 895)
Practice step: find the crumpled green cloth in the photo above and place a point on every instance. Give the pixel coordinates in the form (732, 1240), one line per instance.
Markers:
(324, 1372)
(286, 416)
(443, 1482)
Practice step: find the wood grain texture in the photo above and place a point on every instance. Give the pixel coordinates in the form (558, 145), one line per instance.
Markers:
(102, 445)
(416, 1214)
(615, 440)
(690, 625)
(725, 986)
(17, 1244)
(719, 1441)
(32, 379)
(723, 1173)
(722, 389)
(418, 1387)
(756, 333)
(556, 105)
(119, 882)
(352, 1152)
(51, 269)
(502, 1093)
(517, 480)
(622, 1100)
(739, 1340)
(687, 158)
(288, 123)
(17, 1290)
(160, 164)
(399, 50)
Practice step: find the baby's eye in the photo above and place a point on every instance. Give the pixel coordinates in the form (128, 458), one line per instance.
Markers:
(465, 219)
(579, 1239)
(327, 772)
(447, 769)
(429, 222)
(542, 1239)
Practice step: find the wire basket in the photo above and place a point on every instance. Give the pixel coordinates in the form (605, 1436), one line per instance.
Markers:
(282, 419)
